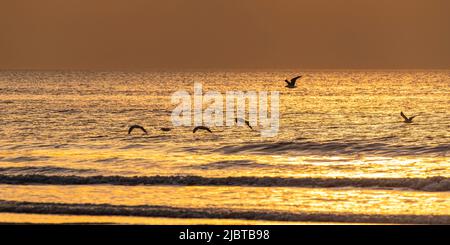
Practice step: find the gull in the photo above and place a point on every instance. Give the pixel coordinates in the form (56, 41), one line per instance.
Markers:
(407, 120)
(137, 126)
(201, 127)
(242, 120)
(291, 84)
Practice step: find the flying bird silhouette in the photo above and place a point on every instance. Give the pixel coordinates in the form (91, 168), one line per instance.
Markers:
(136, 126)
(291, 84)
(407, 120)
(242, 120)
(201, 127)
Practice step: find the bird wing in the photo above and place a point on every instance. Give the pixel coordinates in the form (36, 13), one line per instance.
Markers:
(142, 128)
(293, 80)
(411, 118)
(248, 124)
(136, 126)
(130, 129)
(403, 115)
(201, 127)
(289, 83)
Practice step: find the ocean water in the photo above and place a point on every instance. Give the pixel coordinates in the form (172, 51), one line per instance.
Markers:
(342, 153)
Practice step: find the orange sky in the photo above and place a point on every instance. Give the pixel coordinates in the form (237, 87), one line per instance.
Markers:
(224, 34)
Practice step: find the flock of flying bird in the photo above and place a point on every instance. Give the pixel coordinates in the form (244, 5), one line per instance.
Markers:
(289, 84)
(193, 131)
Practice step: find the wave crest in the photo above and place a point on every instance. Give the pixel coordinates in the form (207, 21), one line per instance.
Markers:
(177, 212)
(44, 170)
(335, 147)
(424, 184)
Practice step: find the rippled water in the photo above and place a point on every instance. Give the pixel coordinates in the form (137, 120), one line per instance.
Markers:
(334, 125)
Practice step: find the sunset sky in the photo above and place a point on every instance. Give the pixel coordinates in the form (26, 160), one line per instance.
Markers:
(219, 34)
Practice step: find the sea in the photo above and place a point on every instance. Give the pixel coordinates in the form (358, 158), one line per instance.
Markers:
(342, 152)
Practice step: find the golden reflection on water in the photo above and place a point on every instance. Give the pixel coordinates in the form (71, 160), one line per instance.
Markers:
(309, 200)
(79, 120)
(85, 219)
(147, 162)
(335, 124)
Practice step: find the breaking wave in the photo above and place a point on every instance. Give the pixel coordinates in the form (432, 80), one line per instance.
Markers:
(177, 212)
(336, 147)
(229, 164)
(424, 184)
(44, 170)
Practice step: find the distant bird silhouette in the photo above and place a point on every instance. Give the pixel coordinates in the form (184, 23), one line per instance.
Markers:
(407, 120)
(166, 129)
(291, 84)
(201, 127)
(137, 126)
(246, 122)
